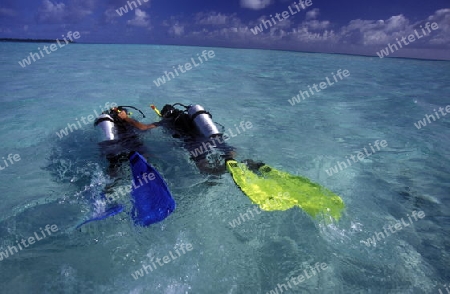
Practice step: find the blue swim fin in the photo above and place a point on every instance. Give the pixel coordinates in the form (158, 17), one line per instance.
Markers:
(101, 211)
(152, 201)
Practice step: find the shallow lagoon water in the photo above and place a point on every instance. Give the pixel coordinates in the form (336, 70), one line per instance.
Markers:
(381, 99)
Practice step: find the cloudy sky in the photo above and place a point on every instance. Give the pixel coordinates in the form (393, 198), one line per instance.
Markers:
(347, 26)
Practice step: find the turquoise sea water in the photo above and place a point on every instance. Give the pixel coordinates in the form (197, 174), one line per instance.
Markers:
(380, 100)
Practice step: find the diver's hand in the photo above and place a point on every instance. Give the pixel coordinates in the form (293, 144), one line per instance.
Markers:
(139, 125)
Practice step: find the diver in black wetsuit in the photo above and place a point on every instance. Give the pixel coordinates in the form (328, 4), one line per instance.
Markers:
(119, 136)
(200, 135)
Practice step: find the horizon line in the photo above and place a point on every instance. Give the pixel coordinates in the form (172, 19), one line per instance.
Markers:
(28, 40)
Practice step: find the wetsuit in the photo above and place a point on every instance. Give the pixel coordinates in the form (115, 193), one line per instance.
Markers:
(209, 154)
(117, 151)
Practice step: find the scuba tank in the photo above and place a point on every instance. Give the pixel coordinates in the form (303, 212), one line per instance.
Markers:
(107, 127)
(110, 124)
(203, 121)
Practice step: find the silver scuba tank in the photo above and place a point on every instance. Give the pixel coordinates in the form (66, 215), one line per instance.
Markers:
(107, 128)
(202, 120)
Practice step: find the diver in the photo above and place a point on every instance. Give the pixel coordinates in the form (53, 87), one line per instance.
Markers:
(120, 143)
(119, 137)
(200, 135)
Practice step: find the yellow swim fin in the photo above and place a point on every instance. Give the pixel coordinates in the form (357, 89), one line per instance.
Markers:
(276, 190)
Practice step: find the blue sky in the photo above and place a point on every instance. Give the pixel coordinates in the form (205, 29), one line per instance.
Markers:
(347, 26)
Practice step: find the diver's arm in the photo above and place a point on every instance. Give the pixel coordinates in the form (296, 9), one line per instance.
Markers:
(143, 127)
(139, 125)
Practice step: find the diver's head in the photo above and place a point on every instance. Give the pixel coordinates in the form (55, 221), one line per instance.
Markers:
(121, 108)
(115, 111)
(168, 111)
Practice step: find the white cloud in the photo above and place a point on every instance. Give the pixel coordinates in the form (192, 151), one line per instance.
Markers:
(7, 30)
(110, 15)
(359, 36)
(381, 32)
(177, 30)
(212, 18)
(140, 19)
(312, 14)
(7, 12)
(442, 35)
(317, 25)
(373, 32)
(376, 37)
(217, 19)
(51, 12)
(255, 4)
(396, 23)
(74, 11)
(78, 9)
(285, 24)
(303, 34)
